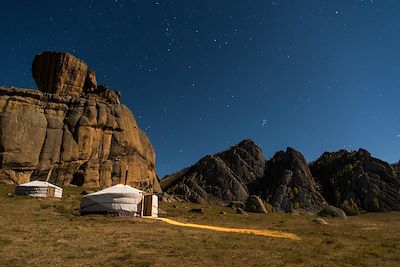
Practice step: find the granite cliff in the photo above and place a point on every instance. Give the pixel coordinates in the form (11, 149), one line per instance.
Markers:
(71, 131)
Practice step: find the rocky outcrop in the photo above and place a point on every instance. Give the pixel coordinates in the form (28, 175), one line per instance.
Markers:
(218, 178)
(356, 181)
(288, 183)
(67, 133)
(336, 184)
(285, 182)
(59, 73)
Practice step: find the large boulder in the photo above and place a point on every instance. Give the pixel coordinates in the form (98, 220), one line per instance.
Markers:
(255, 204)
(331, 211)
(219, 178)
(59, 73)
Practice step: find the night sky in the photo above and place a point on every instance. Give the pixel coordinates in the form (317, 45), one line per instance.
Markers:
(202, 75)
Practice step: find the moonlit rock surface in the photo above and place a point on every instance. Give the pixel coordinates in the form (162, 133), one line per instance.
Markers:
(66, 134)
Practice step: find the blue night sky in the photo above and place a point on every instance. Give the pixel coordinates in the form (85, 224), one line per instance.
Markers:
(202, 75)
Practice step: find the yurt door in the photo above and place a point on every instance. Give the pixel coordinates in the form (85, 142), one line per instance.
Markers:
(147, 205)
(51, 191)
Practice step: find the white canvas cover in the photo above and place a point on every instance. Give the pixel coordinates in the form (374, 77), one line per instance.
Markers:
(38, 189)
(120, 200)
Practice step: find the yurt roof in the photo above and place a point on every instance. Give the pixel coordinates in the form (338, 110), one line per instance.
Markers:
(117, 189)
(39, 184)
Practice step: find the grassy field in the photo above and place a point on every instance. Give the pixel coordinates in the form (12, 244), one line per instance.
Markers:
(42, 232)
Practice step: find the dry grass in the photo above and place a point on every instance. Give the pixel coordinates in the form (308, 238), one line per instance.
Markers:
(41, 232)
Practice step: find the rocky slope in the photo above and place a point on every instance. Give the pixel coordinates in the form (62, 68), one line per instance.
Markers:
(71, 131)
(356, 181)
(218, 178)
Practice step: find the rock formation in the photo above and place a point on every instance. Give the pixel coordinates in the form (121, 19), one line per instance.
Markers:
(356, 181)
(59, 73)
(288, 183)
(219, 178)
(71, 131)
(337, 182)
(284, 182)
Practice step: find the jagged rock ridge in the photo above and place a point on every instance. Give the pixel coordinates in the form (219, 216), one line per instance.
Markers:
(350, 181)
(71, 131)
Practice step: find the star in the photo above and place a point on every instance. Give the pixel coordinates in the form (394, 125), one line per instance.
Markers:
(264, 122)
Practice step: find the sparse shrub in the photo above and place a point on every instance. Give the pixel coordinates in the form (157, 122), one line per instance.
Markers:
(5, 241)
(125, 256)
(337, 196)
(144, 264)
(350, 207)
(61, 209)
(54, 207)
(375, 204)
(296, 191)
(45, 206)
(268, 206)
(364, 191)
(329, 241)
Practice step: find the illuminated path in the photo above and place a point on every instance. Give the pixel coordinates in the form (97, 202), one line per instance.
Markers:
(268, 233)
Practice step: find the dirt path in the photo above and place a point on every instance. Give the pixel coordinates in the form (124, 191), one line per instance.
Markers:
(268, 233)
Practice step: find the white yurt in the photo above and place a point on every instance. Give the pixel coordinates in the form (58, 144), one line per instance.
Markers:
(119, 200)
(38, 189)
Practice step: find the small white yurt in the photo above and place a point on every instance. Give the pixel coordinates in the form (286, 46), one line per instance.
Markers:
(119, 200)
(39, 189)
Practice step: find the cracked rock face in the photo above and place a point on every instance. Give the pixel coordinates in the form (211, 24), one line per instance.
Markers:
(219, 178)
(71, 140)
(71, 132)
(288, 183)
